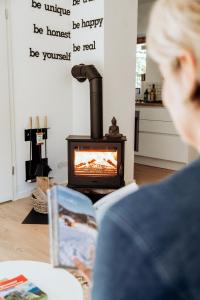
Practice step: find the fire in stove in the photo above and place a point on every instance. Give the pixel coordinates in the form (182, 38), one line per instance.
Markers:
(96, 163)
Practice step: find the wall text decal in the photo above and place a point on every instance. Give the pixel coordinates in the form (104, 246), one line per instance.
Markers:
(87, 23)
(92, 24)
(51, 8)
(78, 2)
(50, 32)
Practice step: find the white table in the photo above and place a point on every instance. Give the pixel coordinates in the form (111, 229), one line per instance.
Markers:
(57, 283)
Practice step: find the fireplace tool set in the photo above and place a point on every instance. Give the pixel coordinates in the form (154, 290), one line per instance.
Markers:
(37, 165)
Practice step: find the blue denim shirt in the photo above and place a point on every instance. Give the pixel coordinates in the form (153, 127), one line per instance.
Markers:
(149, 243)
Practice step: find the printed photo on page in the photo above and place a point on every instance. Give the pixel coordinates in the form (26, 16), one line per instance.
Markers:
(73, 229)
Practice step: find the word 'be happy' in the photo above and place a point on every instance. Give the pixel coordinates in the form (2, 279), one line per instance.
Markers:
(90, 23)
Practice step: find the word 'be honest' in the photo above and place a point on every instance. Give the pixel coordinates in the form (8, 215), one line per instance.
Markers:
(90, 24)
(52, 32)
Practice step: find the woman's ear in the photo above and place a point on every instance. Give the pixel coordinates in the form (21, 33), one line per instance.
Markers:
(187, 73)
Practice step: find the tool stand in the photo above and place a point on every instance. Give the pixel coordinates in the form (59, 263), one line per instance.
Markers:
(35, 152)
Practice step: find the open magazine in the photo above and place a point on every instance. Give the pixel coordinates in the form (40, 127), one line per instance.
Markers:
(73, 222)
(19, 288)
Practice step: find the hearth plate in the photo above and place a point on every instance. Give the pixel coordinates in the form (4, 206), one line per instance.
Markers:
(36, 218)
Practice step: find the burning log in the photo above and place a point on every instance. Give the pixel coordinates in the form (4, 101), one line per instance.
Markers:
(111, 163)
(91, 161)
(81, 165)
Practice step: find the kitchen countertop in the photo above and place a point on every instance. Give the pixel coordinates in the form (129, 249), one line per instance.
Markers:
(150, 104)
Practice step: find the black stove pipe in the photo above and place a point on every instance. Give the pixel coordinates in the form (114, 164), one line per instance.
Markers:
(82, 73)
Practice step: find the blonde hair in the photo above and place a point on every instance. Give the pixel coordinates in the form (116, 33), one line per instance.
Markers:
(174, 25)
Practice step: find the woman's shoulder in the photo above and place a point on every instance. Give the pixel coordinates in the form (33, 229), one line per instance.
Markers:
(182, 180)
(167, 203)
(159, 222)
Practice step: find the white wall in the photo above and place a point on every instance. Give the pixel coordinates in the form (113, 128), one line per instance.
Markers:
(119, 71)
(47, 88)
(81, 92)
(144, 9)
(40, 88)
(5, 121)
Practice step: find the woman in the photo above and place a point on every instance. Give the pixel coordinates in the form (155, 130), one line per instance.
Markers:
(149, 244)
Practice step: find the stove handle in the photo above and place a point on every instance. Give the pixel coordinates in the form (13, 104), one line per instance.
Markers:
(121, 170)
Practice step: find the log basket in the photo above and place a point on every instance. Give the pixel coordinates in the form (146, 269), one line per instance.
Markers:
(39, 194)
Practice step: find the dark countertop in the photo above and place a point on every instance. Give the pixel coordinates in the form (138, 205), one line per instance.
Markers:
(150, 104)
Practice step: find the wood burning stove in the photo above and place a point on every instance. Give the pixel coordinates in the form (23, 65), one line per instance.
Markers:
(96, 161)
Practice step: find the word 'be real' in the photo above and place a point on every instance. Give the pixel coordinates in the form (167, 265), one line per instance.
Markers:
(86, 47)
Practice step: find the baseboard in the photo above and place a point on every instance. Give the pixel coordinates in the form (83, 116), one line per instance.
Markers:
(159, 163)
(27, 193)
(22, 195)
(5, 198)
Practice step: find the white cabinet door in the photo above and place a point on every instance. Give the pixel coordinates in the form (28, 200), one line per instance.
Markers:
(5, 127)
(155, 114)
(161, 146)
(158, 138)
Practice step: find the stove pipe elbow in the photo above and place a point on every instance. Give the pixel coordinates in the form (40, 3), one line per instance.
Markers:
(82, 73)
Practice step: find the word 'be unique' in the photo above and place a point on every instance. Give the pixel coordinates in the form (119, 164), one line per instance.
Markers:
(52, 8)
(89, 23)
(49, 55)
(52, 32)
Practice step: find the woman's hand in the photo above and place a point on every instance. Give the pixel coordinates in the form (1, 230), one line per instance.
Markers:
(84, 270)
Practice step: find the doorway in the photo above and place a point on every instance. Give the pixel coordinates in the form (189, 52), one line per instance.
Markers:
(6, 169)
(159, 148)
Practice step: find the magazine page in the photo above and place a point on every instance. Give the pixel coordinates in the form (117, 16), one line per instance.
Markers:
(20, 288)
(106, 202)
(73, 229)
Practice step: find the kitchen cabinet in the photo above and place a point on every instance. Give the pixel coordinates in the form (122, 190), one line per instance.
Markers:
(159, 143)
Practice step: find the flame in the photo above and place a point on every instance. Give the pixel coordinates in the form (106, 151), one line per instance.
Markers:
(96, 163)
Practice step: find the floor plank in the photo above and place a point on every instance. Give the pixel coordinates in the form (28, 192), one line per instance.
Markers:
(146, 174)
(17, 241)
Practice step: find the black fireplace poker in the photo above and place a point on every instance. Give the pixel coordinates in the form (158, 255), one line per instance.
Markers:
(82, 73)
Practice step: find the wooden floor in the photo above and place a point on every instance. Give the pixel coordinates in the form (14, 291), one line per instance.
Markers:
(19, 241)
(146, 174)
(31, 242)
